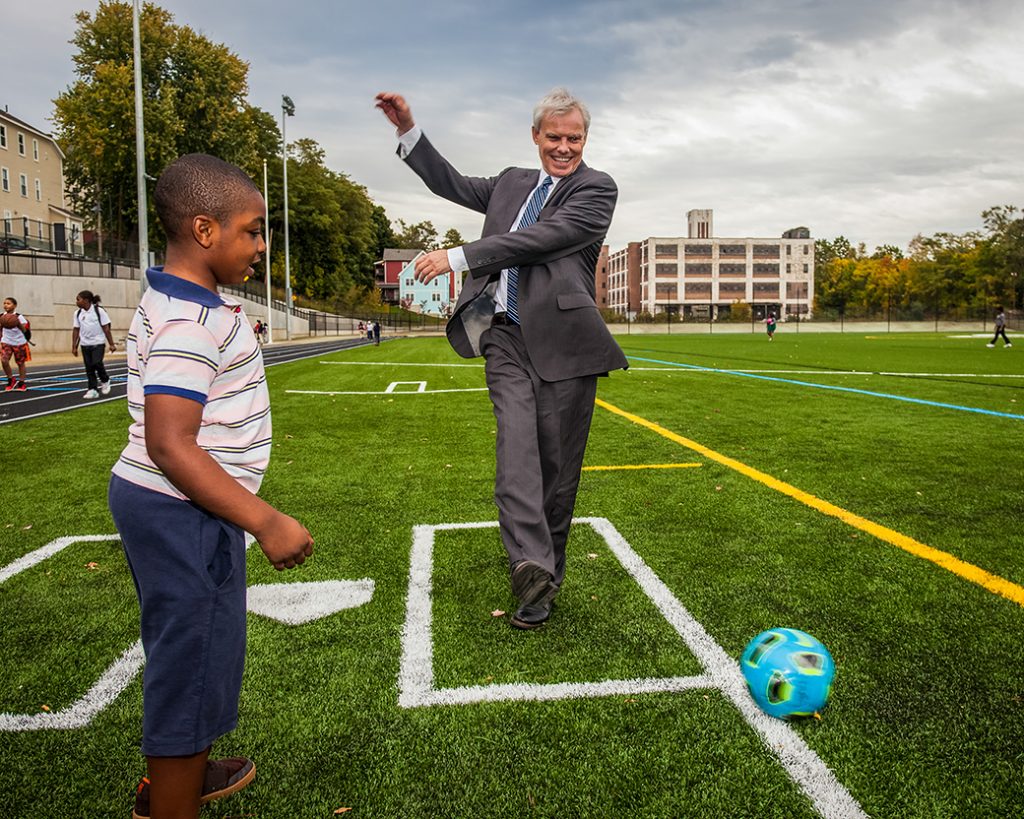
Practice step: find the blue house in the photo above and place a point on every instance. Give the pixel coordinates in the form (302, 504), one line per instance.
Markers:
(436, 299)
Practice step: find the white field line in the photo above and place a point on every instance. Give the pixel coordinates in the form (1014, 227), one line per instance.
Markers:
(106, 689)
(384, 392)
(823, 372)
(398, 364)
(60, 409)
(416, 674)
(81, 712)
(682, 370)
(421, 386)
(49, 550)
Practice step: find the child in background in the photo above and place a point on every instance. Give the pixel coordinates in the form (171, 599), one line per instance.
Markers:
(183, 492)
(91, 331)
(770, 322)
(13, 344)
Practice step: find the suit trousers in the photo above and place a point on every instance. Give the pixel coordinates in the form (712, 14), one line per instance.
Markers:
(542, 436)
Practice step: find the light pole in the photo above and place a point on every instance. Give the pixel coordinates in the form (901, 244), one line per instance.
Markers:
(140, 152)
(266, 257)
(287, 110)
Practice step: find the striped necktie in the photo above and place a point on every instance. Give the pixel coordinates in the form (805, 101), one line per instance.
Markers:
(529, 217)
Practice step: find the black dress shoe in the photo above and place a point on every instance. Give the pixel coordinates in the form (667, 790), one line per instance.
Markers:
(533, 615)
(531, 582)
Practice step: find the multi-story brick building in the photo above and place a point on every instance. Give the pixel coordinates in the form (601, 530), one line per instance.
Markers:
(624, 280)
(601, 279)
(700, 276)
(32, 197)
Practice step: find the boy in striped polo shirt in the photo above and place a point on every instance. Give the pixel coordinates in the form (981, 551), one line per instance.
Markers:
(183, 491)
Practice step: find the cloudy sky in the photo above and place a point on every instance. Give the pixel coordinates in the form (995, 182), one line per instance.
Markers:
(877, 120)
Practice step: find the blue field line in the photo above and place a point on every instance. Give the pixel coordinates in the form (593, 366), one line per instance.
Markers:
(828, 387)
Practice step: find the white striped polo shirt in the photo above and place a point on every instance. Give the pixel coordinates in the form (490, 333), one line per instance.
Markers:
(190, 342)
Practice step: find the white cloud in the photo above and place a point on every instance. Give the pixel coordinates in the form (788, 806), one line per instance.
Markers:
(877, 120)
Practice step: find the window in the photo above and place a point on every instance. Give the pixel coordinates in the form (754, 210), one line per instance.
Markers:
(725, 269)
(805, 268)
(39, 191)
(408, 282)
(789, 250)
(732, 250)
(789, 267)
(693, 269)
(764, 269)
(766, 251)
(663, 251)
(3, 136)
(5, 175)
(35, 149)
(666, 270)
(807, 249)
(21, 144)
(698, 250)
(23, 184)
(732, 289)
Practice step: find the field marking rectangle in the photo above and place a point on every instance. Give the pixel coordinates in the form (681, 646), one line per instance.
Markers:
(416, 669)
(421, 386)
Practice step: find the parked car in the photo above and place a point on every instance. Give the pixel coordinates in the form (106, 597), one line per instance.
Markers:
(13, 244)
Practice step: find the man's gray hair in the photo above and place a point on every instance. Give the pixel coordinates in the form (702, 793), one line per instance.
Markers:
(558, 102)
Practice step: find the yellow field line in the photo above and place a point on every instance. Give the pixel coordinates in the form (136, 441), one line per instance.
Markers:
(968, 571)
(638, 466)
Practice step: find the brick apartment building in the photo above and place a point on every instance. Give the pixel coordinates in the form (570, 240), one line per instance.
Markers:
(701, 276)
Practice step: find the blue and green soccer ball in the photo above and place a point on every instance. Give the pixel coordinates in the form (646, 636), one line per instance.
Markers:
(789, 672)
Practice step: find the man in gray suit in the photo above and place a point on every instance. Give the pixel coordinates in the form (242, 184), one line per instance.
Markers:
(527, 306)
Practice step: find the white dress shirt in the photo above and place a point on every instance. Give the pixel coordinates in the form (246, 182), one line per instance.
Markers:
(456, 255)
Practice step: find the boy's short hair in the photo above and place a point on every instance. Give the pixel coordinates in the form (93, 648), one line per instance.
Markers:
(199, 184)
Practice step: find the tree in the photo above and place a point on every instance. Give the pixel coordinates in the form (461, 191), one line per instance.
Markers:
(384, 236)
(421, 236)
(452, 239)
(193, 101)
(332, 231)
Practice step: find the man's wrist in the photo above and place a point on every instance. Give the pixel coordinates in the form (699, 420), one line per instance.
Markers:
(407, 140)
(457, 260)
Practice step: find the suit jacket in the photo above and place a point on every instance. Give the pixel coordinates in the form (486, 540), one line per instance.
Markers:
(562, 328)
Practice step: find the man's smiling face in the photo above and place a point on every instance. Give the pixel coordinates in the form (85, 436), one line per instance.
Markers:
(560, 140)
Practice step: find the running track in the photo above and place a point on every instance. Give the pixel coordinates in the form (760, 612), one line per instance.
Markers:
(59, 388)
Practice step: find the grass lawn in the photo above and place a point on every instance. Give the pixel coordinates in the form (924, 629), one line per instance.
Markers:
(916, 434)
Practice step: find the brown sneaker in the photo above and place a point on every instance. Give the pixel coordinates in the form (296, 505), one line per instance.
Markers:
(223, 778)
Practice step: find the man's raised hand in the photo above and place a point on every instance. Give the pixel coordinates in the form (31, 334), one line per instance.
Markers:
(396, 109)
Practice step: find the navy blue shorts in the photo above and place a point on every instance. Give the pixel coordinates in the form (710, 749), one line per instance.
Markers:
(189, 573)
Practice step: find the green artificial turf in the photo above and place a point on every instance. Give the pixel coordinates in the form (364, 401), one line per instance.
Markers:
(927, 713)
